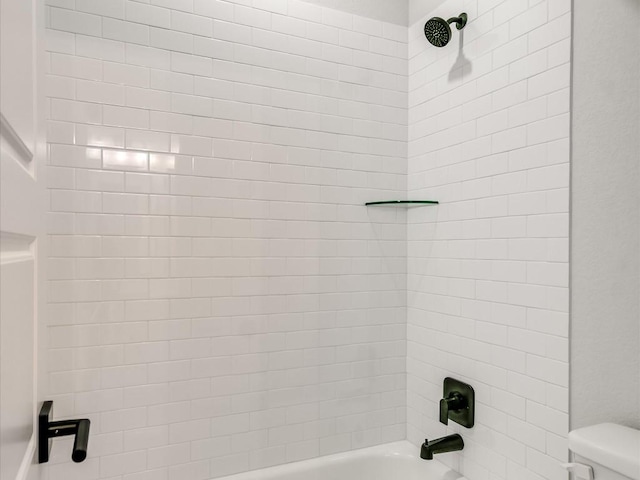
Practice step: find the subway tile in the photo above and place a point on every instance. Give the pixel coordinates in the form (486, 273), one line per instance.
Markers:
(125, 31)
(75, 111)
(191, 145)
(61, 87)
(188, 23)
(191, 64)
(99, 181)
(142, 12)
(99, 136)
(125, 117)
(98, 224)
(147, 56)
(126, 74)
(146, 183)
(125, 160)
(147, 99)
(215, 9)
(114, 8)
(76, 22)
(531, 18)
(125, 203)
(172, 81)
(181, 5)
(99, 92)
(549, 81)
(100, 48)
(191, 105)
(171, 122)
(212, 48)
(554, 128)
(78, 201)
(168, 40)
(147, 140)
(60, 42)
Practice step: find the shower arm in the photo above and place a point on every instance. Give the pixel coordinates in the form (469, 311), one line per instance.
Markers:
(460, 21)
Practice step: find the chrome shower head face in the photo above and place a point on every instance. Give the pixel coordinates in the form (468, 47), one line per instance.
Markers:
(437, 31)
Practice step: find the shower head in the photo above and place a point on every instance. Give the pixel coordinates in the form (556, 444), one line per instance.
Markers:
(438, 31)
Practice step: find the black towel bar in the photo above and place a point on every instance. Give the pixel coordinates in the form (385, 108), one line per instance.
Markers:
(48, 430)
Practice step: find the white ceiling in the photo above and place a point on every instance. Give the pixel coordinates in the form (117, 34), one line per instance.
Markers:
(420, 8)
(401, 12)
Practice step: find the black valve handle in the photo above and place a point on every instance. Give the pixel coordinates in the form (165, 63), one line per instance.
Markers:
(455, 401)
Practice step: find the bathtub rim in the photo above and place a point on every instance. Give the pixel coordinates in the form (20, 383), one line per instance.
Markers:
(402, 448)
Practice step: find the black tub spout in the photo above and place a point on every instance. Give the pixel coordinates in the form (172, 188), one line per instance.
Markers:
(450, 443)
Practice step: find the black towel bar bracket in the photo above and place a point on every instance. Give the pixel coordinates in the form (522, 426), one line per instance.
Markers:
(48, 430)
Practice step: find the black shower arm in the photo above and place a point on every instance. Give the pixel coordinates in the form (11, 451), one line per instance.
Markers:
(460, 21)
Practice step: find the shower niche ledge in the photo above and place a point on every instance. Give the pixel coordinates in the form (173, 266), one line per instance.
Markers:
(403, 203)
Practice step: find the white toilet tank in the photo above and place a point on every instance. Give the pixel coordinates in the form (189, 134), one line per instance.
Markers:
(613, 451)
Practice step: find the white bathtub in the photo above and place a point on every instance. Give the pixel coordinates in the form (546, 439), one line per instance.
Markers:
(393, 461)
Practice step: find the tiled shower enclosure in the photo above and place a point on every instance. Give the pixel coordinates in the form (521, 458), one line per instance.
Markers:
(220, 298)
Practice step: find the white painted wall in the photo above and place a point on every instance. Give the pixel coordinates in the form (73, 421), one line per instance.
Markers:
(221, 299)
(605, 323)
(488, 271)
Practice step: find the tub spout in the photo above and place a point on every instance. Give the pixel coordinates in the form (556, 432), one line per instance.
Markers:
(450, 443)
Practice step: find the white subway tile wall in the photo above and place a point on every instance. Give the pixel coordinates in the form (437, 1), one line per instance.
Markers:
(220, 298)
(488, 268)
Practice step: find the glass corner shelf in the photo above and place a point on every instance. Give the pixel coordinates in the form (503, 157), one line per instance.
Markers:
(402, 203)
